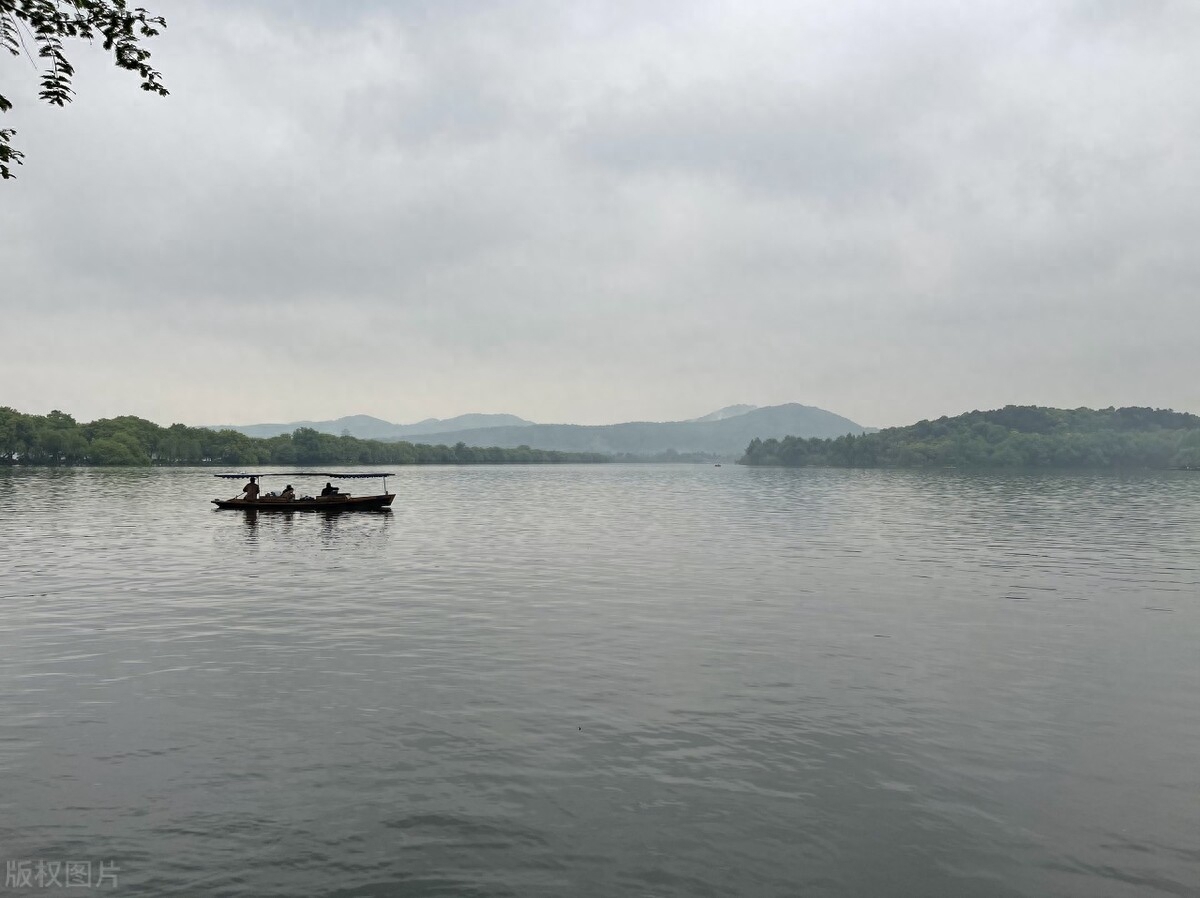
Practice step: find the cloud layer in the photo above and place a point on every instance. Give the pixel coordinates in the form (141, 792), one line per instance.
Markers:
(611, 211)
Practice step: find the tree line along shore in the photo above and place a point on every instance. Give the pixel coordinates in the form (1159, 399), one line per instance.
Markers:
(1011, 437)
(58, 439)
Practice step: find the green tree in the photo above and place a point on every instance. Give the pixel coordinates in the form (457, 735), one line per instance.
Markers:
(43, 25)
(8, 434)
(1011, 437)
(119, 450)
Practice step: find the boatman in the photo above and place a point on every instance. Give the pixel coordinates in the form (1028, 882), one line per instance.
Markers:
(251, 489)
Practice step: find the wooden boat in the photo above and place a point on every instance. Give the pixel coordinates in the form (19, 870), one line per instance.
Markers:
(337, 502)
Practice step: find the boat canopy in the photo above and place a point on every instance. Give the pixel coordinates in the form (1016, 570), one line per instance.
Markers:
(328, 474)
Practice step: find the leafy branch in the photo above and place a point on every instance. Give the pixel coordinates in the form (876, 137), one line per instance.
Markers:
(49, 23)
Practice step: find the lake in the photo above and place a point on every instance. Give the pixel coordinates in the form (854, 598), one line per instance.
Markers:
(604, 680)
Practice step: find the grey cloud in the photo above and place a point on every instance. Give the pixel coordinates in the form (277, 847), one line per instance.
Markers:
(790, 143)
(600, 212)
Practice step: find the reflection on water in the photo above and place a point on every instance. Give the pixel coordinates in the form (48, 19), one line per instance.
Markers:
(250, 516)
(329, 521)
(608, 680)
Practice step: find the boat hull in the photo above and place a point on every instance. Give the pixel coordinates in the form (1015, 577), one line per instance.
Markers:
(327, 503)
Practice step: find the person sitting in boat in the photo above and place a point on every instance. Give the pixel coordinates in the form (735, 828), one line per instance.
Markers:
(288, 492)
(330, 489)
(250, 490)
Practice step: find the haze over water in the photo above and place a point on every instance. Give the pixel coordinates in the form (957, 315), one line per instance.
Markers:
(607, 680)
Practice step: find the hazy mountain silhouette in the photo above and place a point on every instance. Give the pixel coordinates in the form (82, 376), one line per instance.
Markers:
(730, 411)
(367, 428)
(727, 436)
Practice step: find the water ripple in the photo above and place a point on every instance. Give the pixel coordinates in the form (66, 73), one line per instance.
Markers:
(641, 680)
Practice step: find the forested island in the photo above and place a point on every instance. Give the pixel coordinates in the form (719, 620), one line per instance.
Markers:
(58, 439)
(1011, 437)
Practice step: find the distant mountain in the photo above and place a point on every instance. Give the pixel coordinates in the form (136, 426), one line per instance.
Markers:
(726, 436)
(730, 411)
(367, 428)
(464, 422)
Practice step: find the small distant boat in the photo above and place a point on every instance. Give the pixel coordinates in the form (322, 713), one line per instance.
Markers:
(337, 501)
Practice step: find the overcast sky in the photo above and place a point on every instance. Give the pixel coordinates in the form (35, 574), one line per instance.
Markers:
(610, 211)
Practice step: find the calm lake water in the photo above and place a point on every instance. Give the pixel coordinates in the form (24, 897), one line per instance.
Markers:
(606, 680)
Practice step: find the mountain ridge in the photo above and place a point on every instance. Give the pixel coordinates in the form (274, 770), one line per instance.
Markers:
(725, 432)
(367, 427)
(726, 437)
(730, 411)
